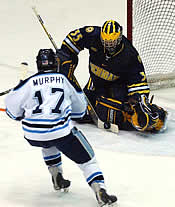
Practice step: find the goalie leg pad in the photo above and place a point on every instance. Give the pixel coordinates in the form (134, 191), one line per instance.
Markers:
(109, 110)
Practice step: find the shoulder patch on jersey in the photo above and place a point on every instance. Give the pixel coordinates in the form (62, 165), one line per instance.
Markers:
(89, 29)
(139, 59)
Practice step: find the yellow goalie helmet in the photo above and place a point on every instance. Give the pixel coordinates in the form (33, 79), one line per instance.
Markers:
(111, 35)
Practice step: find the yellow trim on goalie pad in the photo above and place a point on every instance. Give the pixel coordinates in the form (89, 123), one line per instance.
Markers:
(113, 100)
(109, 106)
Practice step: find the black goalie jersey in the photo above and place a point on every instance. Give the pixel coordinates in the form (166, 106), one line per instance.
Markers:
(124, 68)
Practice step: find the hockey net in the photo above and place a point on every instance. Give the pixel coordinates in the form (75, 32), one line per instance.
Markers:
(151, 27)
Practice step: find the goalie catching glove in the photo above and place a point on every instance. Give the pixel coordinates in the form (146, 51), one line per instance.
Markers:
(147, 116)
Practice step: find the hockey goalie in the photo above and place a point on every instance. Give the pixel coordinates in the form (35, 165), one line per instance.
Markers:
(117, 87)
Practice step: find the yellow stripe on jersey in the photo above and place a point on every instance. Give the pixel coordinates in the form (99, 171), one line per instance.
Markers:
(138, 84)
(65, 62)
(90, 84)
(140, 92)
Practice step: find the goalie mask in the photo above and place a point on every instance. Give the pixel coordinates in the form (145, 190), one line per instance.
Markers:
(148, 116)
(111, 35)
(46, 60)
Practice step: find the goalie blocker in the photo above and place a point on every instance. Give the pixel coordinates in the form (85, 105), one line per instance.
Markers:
(141, 115)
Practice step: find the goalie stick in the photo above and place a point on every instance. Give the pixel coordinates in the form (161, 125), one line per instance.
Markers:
(100, 124)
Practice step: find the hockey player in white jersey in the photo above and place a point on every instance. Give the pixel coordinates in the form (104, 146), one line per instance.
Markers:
(45, 103)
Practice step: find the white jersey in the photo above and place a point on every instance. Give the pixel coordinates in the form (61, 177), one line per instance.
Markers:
(47, 102)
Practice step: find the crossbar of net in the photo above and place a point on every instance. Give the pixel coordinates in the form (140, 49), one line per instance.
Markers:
(154, 38)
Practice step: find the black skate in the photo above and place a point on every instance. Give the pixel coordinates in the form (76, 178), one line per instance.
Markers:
(104, 199)
(59, 183)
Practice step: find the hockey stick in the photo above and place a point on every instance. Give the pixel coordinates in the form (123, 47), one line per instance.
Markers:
(97, 121)
(23, 72)
(5, 92)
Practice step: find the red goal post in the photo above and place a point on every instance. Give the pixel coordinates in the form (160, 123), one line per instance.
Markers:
(151, 28)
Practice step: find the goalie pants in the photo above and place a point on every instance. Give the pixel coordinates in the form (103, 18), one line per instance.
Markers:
(110, 109)
(76, 147)
(108, 103)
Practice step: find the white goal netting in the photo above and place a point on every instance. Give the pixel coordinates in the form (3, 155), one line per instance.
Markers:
(154, 37)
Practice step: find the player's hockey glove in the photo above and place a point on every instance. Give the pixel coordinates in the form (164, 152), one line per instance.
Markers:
(70, 60)
(62, 56)
(67, 64)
